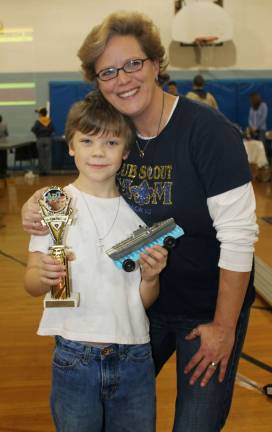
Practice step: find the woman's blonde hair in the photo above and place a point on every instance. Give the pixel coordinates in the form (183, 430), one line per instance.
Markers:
(122, 24)
(95, 116)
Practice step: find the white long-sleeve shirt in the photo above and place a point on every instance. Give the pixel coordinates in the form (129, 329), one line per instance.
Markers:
(234, 218)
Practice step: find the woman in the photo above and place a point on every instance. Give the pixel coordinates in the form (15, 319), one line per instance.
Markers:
(188, 163)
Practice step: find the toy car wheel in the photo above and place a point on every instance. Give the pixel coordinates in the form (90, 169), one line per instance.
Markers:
(169, 242)
(129, 265)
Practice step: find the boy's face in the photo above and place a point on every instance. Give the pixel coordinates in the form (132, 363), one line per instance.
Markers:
(98, 157)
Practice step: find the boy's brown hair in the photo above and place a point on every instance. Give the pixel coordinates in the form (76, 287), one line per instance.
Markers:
(95, 116)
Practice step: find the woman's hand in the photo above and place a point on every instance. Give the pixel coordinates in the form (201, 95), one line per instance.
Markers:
(153, 262)
(214, 352)
(31, 218)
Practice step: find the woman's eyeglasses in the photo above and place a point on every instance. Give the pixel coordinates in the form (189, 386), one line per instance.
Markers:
(130, 66)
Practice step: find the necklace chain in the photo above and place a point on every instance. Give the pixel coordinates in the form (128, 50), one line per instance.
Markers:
(99, 237)
(143, 150)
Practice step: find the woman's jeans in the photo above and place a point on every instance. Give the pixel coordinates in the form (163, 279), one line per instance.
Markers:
(197, 409)
(109, 389)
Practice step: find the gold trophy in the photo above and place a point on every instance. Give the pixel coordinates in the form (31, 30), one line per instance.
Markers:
(56, 214)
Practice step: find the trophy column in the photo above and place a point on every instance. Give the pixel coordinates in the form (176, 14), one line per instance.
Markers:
(56, 215)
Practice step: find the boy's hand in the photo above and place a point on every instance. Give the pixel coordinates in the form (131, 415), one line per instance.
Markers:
(51, 270)
(153, 262)
(31, 218)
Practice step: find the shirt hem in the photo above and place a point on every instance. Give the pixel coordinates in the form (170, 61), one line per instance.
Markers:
(126, 340)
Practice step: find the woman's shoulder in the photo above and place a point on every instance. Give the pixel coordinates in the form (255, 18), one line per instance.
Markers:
(200, 112)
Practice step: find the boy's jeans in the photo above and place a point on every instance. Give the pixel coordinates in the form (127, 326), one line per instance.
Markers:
(108, 389)
(197, 409)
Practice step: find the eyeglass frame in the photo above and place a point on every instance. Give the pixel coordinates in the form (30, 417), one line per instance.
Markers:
(121, 68)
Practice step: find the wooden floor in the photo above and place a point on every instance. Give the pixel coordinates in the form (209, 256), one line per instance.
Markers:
(25, 358)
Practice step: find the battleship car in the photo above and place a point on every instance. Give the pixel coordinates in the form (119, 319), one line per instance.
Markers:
(126, 253)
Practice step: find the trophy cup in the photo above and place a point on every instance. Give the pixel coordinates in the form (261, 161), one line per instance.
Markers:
(56, 214)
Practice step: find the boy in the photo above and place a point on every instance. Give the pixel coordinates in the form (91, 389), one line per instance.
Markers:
(103, 375)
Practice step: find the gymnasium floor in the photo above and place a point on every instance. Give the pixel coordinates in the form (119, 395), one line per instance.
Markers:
(25, 357)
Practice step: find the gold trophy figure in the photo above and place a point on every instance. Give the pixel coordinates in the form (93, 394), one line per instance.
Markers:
(56, 214)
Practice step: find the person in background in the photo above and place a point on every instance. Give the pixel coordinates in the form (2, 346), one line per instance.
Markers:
(3, 153)
(199, 93)
(43, 130)
(172, 88)
(3, 128)
(257, 116)
(103, 371)
(189, 162)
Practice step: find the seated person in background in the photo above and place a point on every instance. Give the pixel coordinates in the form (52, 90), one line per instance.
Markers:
(257, 116)
(43, 129)
(3, 153)
(200, 94)
(257, 159)
(172, 88)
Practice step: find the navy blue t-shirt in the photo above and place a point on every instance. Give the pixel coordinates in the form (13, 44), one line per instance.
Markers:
(197, 155)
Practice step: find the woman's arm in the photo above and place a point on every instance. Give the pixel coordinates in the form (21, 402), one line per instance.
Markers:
(234, 219)
(151, 263)
(31, 218)
(217, 337)
(42, 272)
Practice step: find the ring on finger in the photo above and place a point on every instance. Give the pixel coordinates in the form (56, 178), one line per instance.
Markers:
(213, 365)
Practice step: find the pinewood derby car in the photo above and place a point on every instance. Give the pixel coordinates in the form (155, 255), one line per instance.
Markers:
(126, 253)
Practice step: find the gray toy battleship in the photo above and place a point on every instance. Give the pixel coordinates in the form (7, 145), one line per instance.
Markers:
(126, 253)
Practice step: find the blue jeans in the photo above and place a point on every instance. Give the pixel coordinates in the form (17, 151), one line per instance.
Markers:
(197, 409)
(108, 389)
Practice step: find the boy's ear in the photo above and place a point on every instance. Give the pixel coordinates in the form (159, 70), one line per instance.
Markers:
(125, 155)
(71, 151)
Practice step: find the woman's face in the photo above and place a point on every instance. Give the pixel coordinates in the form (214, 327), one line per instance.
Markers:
(130, 93)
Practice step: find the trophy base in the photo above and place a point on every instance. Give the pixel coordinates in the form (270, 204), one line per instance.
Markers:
(51, 302)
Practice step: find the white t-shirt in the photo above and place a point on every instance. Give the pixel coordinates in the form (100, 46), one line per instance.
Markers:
(111, 309)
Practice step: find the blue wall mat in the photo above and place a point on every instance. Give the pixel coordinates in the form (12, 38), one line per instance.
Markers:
(225, 92)
(62, 95)
(232, 96)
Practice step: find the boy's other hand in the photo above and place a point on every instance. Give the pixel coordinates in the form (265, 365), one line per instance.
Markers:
(153, 262)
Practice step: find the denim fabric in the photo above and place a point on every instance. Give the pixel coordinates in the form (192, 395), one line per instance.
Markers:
(197, 409)
(108, 389)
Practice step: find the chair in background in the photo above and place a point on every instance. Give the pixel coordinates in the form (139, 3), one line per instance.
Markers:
(27, 152)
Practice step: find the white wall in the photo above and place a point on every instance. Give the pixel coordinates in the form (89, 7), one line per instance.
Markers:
(60, 26)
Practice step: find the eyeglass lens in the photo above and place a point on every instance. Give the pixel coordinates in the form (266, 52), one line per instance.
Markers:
(133, 65)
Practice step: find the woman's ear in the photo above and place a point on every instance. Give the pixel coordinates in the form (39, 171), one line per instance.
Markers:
(156, 68)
